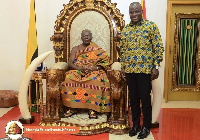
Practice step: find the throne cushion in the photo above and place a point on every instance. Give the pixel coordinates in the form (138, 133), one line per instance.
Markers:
(8, 98)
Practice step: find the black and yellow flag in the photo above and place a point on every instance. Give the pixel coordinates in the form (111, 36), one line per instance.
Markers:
(32, 48)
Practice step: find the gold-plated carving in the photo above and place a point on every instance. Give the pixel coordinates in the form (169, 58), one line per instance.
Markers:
(74, 8)
(90, 128)
(118, 117)
(58, 41)
(53, 103)
(37, 77)
(61, 41)
(189, 27)
(89, 3)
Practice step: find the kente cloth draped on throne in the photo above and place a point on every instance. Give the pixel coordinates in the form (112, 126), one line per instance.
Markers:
(92, 90)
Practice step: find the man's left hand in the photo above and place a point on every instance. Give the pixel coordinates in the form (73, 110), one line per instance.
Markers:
(154, 74)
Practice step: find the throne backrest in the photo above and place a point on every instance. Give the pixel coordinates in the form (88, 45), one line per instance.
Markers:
(97, 24)
(101, 17)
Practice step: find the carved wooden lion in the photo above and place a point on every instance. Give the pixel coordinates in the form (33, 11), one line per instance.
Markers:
(118, 93)
(53, 102)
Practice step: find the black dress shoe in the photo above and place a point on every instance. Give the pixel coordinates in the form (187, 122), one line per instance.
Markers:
(134, 130)
(144, 133)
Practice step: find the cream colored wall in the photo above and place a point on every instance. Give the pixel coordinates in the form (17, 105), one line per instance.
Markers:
(14, 33)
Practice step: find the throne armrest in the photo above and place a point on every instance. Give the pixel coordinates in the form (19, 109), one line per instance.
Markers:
(116, 66)
(60, 65)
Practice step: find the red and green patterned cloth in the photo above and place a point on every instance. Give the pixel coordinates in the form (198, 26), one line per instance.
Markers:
(91, 91)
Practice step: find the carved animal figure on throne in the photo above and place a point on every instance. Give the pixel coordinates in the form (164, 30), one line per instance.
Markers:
(118, 93)
(53, 102)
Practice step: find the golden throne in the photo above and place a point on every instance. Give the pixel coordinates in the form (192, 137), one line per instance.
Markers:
(105, 22)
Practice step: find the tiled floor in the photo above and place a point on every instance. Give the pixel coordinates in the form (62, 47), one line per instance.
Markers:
(178, 120)
(181, 104)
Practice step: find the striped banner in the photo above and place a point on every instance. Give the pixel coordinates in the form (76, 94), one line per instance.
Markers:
(143, 9)
(187, 51)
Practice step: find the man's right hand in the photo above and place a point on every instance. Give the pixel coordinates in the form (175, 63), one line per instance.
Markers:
(154, 74)
(88, 69)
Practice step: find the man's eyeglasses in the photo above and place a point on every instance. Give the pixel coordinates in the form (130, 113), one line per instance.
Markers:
(85, 36)
(135, 12)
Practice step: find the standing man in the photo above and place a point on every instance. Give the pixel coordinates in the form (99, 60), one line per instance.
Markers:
(141, 52)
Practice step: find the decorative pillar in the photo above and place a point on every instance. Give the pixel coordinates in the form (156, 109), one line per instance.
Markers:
(58, 42)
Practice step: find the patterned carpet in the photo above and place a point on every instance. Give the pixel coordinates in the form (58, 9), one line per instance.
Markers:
(84, 119)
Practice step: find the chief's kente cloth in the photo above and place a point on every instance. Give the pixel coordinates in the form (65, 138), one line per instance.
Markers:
(92, 90)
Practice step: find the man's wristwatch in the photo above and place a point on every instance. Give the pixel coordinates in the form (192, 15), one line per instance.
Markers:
(156, 67)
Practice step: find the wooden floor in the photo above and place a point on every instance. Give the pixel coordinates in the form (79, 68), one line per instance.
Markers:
(177, 121)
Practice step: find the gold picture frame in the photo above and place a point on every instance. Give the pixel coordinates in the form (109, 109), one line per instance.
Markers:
(178, 60)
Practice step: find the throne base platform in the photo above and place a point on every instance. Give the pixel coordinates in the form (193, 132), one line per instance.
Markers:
(89, 126)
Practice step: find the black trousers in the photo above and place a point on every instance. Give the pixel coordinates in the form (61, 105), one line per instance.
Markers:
(139, 86)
